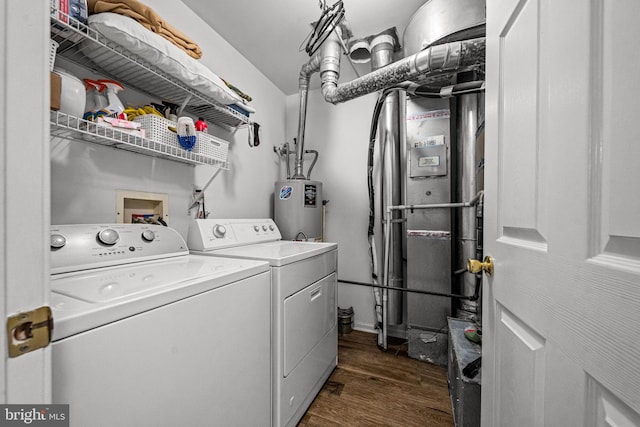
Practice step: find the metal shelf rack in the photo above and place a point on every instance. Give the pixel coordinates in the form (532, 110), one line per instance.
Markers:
(117, 63)
(70, 127)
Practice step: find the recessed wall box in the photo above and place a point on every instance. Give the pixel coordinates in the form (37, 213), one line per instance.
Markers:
(138, 204)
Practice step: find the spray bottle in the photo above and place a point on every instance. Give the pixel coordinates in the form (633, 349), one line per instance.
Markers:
(114, 105)
(96, 103)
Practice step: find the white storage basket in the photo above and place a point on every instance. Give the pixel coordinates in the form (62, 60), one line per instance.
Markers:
(210, 146)
(53, 49)
(157, 129)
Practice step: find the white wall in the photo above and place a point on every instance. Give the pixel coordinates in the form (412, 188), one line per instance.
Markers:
(340, 133)
(85, 176)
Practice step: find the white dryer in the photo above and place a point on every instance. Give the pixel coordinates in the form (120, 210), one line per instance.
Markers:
(304, 305)
(148, 335)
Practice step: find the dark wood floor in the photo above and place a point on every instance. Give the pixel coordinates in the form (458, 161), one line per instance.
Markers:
(373, 388)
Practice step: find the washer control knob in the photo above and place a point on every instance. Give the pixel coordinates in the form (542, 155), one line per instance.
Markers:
(148, 235)
(256, 228)
(264, 228)
(108, 236)
(58, 241)
(219, 231)
(272, 228)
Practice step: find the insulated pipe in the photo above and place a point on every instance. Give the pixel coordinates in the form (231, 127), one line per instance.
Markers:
(445, 58)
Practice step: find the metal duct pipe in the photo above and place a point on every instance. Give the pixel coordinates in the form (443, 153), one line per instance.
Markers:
(442, 59)
(467, 186)
(327, 61)
(303, 84)
(382, 48)
(381, 51)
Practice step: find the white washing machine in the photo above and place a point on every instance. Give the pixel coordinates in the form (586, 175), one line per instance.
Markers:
(148, 335)
(304, 286)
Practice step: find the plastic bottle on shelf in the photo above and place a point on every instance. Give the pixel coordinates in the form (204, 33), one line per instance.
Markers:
(201, 125)
(114, 105)
(96, 103)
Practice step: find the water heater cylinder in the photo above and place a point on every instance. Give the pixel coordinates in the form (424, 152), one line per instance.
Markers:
(298, 209)
(443, 21)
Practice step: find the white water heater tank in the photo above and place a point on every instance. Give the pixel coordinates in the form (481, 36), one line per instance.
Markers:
(298, 209)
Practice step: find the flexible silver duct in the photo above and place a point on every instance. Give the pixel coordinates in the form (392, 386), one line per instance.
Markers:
(445, 58)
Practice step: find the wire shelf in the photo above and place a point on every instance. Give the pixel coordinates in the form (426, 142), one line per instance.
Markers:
(70, 127)
(112, 60)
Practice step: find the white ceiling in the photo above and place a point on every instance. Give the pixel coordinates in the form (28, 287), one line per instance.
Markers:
(269, 33)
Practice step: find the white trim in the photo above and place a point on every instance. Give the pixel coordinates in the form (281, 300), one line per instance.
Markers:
(24, 188)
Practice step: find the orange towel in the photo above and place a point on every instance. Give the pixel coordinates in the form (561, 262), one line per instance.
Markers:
(149, 19)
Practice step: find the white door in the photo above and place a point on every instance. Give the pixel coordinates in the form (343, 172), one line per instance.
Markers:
(24, 189)
(561, 320)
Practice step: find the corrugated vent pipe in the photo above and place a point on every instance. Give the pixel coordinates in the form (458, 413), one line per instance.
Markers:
(451, 57)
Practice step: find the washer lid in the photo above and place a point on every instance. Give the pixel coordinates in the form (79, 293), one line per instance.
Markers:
(131, 281)
(83, 301)
(277, 253)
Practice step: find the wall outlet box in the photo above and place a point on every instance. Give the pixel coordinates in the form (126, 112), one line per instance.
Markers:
(135, 204)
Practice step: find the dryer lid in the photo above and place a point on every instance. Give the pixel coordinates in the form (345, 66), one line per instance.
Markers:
(277, 253)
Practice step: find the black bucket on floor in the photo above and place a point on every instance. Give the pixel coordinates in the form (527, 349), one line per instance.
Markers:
(345, 320)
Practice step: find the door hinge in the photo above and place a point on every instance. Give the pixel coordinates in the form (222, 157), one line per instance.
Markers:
(29, 331)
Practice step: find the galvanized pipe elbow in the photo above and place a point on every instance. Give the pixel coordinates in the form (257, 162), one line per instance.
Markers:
(307, 70)
(330, 67)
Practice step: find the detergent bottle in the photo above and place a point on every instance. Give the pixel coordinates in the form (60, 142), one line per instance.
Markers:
(96, 103)
(201, 125)
(114, 105)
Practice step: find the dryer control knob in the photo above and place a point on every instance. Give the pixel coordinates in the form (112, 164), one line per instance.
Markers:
(264, 228)
(108, 236)
(256, 228)
(272, 228)
(58, 241)
(148, 235)
(219, 231)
